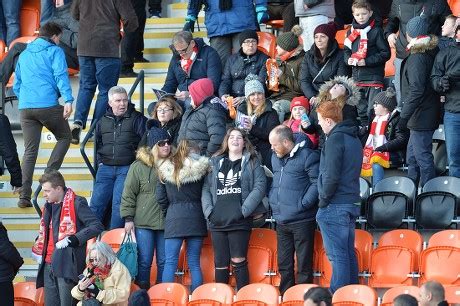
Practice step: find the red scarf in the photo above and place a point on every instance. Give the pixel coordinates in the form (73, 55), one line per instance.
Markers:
(376, 139)
(362, 48)
(186, 64)
(67, 222)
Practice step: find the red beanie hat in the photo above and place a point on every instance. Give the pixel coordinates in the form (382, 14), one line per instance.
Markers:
(328, 29)
(200, 90)
(300, 101)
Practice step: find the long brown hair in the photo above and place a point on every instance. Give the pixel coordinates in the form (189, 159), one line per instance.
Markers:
(184, 148)
(248, 147)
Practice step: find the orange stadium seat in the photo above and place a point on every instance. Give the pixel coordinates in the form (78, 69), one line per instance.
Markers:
(267, 43)
(389, 65)
(2, 49)
(114, 238)
(440, 263)
(390, 294)
(452, 295)
(25, 294)
(294, 295)
(30, 21)
(257, 294)
(455, 7)
(355, 295)
(445, 238)
(214, 294)
(404, 238)
(170, 294)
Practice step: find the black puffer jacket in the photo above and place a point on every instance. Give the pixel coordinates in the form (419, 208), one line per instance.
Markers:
(172, 128)
(422, 108)
(378, 52)
(404, 10)
(447, 62)
(184, 215)
(258, 135)
(204, 125)
(237, 68)
(9, 152)
(310, 69)
(10, 260)
(117, 138)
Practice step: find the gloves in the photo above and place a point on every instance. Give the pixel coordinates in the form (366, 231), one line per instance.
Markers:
(402, 124)
(444, 83)
(381, 148)
(71, 241)
(189, 23)
(262, 14)
(37, 258)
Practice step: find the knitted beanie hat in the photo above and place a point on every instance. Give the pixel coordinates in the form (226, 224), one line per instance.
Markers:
(299, 101)
(156, 134)
(248, 34)
(417, 26)
(252, 85)
(387, 99)
(288, 41)
(328, 29)
(200, 90)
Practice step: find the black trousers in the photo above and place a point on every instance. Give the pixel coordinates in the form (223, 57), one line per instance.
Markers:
(298, 238)
(132, 44)
(285, 12)
(7, 293)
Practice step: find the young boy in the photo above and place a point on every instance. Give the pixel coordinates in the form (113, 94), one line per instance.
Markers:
(386, 144)
(366, 50)
(447, 37)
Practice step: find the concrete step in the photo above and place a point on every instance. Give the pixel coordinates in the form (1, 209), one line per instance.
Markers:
(163, 39)
(155, 68)
(167, 24)
(179, 10)
(158, 54)
(9, 200)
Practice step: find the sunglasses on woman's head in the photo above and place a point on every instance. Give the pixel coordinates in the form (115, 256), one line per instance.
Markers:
(162, 143)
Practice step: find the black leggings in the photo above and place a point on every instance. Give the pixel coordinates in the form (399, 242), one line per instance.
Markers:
(7, 293)
(229, 245)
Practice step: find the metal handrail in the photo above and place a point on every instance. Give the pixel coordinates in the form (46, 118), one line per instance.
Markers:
(140, 80)
(35, 201)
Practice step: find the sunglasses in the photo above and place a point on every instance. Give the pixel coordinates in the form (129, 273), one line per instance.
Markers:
(92, 260)
(163, 143)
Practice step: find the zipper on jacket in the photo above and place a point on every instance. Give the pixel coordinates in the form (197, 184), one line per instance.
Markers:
(279, 183)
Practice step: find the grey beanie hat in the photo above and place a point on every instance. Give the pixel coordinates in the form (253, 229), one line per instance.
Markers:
(252, 85)
(387, 99)
(417, 26)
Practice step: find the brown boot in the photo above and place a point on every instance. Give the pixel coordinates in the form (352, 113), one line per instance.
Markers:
(24, 203)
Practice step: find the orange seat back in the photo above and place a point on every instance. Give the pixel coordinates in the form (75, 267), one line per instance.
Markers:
(392, 293)
(355, 295)
(452, 294)
(445, 238)
(296, 293)
(30, 21)
(114, 238)
(216, 292)
(440, 263)
(455, 7)
(390, 266)
(169, 294)
(267, 43)
(404, 238)
(264, 293)
(389, 65)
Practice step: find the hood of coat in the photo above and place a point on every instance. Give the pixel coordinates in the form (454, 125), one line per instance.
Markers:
(353, 94)
(423, 44)
(193, 170)
(145, 155)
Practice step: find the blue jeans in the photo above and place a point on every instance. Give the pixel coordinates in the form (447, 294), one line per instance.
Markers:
(148, 242)
(378, 174)
(452, 133)
(337, 225)
(101, 72)
(420, 160)
(109, 185)
(172, 251)
(9, 20)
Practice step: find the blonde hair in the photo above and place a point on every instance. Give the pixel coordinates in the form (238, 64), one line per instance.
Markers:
(171, 102)
(259, 110)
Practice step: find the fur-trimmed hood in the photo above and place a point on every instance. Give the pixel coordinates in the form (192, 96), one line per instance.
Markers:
(423, 44)
(353, 90)
(145, 155)
(193, 170)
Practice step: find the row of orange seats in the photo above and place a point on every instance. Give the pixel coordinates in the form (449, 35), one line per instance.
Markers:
(399, 258)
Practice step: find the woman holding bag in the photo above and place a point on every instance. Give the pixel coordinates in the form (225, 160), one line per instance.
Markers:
(105, 280)
(139, 206)
(231, 193)
(179, 194)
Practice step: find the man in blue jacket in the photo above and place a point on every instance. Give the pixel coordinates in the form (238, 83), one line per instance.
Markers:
(293, 200)
(41, 78)
(192, 60)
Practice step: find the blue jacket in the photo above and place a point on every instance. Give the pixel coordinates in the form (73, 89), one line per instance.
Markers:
(294, 194)
(207, 64)
(242, 16)
(340, 166)
(41, 75)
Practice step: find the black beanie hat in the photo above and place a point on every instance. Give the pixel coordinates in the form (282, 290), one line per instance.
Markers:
(248, 34)
(387, 99)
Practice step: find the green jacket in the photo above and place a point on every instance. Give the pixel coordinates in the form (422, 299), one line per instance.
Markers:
(138, 201)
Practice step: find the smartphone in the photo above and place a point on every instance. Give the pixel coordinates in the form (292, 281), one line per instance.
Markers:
(81, 276)
(304, 117)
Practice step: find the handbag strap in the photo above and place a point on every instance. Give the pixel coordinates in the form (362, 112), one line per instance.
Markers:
(322, 69)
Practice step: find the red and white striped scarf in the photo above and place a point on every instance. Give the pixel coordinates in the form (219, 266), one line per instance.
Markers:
(362, 48)
(186, 64)
(67, 222)
(376, 139)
